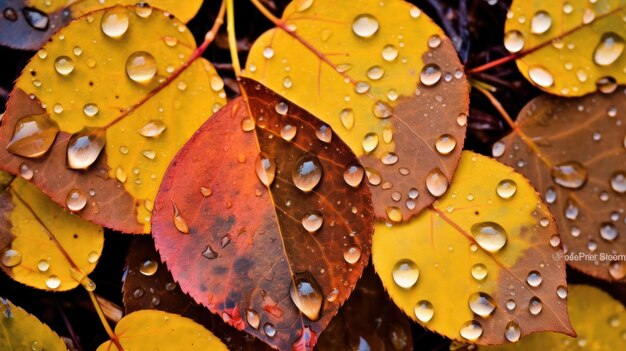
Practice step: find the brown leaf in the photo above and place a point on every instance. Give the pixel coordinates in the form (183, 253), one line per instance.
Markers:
(246, 246)
(574, 152)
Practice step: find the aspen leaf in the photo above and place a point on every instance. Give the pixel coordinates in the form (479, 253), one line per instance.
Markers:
(27, 24)
(22, 331)
(151, 329)
(386, 79)
(120, 111)
(479, 260)
(568, 48)
(272, 229)
(42, 245)
(574, 152)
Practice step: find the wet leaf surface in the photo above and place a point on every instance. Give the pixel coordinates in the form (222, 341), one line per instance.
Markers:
(382, 326)
(151, 329)
(573, 151)
(391, 84)
(22, 331)
(28, 24)
(42, 245)
(574, 47)
(117, 136)
(275, 263)
(484, 251)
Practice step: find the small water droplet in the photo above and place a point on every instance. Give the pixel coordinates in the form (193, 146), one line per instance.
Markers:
(347, 118)
(353, 175)
(541, 76)
(115, 22)
(84, 147)
(506, 188)
(561, 292)
(571, 174)
(10, 14)
(152, 129)
(365, 25)
(76, 200)
(268, 52)
(471, 330)
(434, 41)
(306, 294)
(608, 231)
(141, 67)
(512, 331)
(482, 304)
(382, 110)
(479, 271)
(541, 22)
(53, 282)
(514, 41)
(394, 213)
(424, 311)
(534, 279)
(11, 258)
(33, 136)
(209, 253)
(390, 52)
(324, 133)
(269, 329)
(143, 10)
(307, 173)
(436, 182)
(489, 235)
(606, 85)
(179, 221)
(253, 318)
(288, 132)
(375, 72)
(352, 254)
(609, 49)
(64, 65)
(370, 142)
(618, 182)
(312, 221)
(445, 144)
(617, 269)
(149, 268)
(430, 75)
(405, 273)
(265, 169)
(535, 306)
(35, 18)
(26, 172)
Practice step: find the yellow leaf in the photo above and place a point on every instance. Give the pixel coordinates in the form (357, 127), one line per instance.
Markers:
(152, 329)
(478, 260)
(109, 71)
(385, 78)
(42, 245)
(598, 318)
(22, 331)
(183, 10)
(573, 47)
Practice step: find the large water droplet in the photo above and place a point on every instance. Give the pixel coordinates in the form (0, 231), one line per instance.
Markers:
(76, 200)
(482, 304)
(561, 292)
(36, 19)
(91, 109)
(424, 311)
(514, 41)
(141, 67)
(512, 331)
(288, 132)
(471, 330)
(506, 188)
(324, 133)
(11, 258)
(405, 273)
(179, 222)
(353, 175)
(390, 52)
(265, 169)
(394, 213)
(152, 129)
(365, 25)
(382, 110)
(445, 144)
(571, 174)
(306, 294)
(489, 235)
(608, 231)
(115, 22)
(436, 182)
(618, 182)
(53, 282)
(534, 279)
(84, 147)
(352, 254)
(33, 136)
(541, 22)
(609, 49)
(535, 306)
(312, 221)
(375, 72)
(430, 75)
(307, 173)
(64, 65)
(149, 267)
(370, 142)
(479, 271)
(541, 76)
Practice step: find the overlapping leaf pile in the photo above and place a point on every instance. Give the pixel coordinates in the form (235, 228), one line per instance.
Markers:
(344, 143)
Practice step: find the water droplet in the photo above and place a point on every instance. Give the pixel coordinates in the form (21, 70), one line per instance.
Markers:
(561, 292)
(535, 306)
(512, 331)
(430, 75)
(375, 72)
(489, 235)
(405, 273)
(209, 253)
(324, 133)
(479, 271)
(306, 173)
(33, 136)
(76, 200)
(608, 231)
(141, 67)
(618, 182)
(347, 118)
(609, 49)
(389, 158)
(445, 144)
(617, 270)
(312, 221)
(268, 52)
(506, 188)
(90, 110)
(390, 52)
(115, 22)
(306, 294)
(10, 14)
(53, 282)
(370, 142)
(382, 110)
(302, 5)
(26, 172)
(434, 41)
(534, 279)
(424, 311)
(253, 318)
(541, 76)
(93, 257)
(365, 25)
(36, 346)
(541, 22)
(281, 108)
(265, 169)
(152, 129)
(353, 175)
(606, 85)
(514, 41)
(498, 149)
(11, 258)
(269, 329)
(143, 10)
(352, 255)
(394, 213)
(288, 132)
(149, 268)
(471, 330)
(373, 176)
(436, 182)
(414, 11)
(179, 222)
(64, 65)
(482, 304)
(510, 305)
(571, 174)
(84, 147)
(36, 19)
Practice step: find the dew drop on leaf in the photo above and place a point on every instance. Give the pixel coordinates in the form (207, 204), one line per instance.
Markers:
(33, 136)
(375, 72)
(617, 270)
(353, 175)
(64, 65)
(288, 132)
(541, 76)
(141, 67)
(512, 331)
(365, 25)
(506, 188)
(534, 279)
(76, 200)
(53, 282)
(43, 265)
(253, 318)
(436, 182)
(514, 41)
(481, 304)
(561, 292)
(210, 254)
(324, 133)
(471, 330)
(352, 254)
(570, 174)
(281, 108)
(430, 75)
(307, 173)
(149, 267)
(390, 52)
(10, 14)
(489, 235)
(179, 222)
(35, 18)
(445, 144)
(269, 329)
(608, 231)
(152, 129)
(370, 142)
(115, 22)
(618, 182)
(84, 147)
(479, 271)
(11, 258)
(535, 306)
(306, 294)
(541, 22)
(347, 118)
(312, 221)
(609, 49)
(265, 169)
(424, 311)
(405, 273)
(143, 9)
(382, 110)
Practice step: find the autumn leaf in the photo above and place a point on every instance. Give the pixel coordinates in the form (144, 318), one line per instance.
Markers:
(42, 245)
(386, 79)
(118, 133)
(568, 48)
(574, 152)
(22, 331)
(597, 317)
(28, 24)
(479, 264)
(276, 263)
(151, 329)
(149, 285)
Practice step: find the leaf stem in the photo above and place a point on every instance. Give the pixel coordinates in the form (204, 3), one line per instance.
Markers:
(103, 320)
(232, 38)
(267, 13)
